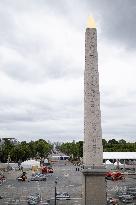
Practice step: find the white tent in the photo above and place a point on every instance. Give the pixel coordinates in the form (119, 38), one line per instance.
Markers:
(46, 161)
(119, 155)
(109, 165)
(108, 162)
(117, 163)
(29, 163)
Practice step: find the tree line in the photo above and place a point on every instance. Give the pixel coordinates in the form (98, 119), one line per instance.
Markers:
(22, 151)
(75, 150)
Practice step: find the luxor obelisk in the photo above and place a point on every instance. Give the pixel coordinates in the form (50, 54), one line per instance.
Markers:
(94, 186)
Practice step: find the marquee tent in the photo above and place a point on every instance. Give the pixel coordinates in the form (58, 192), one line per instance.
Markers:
(28, 164)
(119, 155)
(108, 162)
(117, 163)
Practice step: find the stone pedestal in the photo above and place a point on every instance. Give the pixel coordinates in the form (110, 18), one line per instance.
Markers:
(94, 187)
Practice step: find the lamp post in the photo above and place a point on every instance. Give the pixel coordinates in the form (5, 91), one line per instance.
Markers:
(8, 160)
(55, 192)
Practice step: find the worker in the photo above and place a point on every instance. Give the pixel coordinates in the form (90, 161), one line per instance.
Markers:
(24, 177)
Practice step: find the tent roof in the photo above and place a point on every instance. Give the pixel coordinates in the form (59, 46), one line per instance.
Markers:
(108, 162)
(117, 163)
(30, 162)
(119, 155)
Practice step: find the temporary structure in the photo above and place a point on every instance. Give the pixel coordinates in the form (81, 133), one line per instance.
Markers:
(28, 164)
(119, 155)
(117, 163)
(109, 165)
(108, 162)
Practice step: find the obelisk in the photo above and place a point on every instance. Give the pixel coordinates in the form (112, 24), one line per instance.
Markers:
(94, 185)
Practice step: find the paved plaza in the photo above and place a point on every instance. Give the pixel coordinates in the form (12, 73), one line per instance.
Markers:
(68, 180)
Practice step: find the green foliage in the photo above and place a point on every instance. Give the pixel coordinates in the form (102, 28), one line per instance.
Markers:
(119, 146)
(76, 149)
(24, 150)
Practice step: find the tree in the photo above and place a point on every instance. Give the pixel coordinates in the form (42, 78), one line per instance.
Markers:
(112, 142)
(122, 141)
(24, 150)
(104, 142)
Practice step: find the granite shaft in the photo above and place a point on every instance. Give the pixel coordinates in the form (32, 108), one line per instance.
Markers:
(93, 150)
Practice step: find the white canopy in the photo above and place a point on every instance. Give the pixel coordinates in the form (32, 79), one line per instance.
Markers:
(119, 155)
(117, 163)
(46, 161)
(108, 162)
(29, 163)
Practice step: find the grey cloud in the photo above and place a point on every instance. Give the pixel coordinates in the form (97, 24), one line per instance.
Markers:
(117, 20)
(16, 112)
(118, 103)
(39, 62)
(120, 132)
(34, 50)
(116, 17)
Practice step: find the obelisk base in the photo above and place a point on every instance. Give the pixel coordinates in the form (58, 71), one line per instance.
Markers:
(94, 187)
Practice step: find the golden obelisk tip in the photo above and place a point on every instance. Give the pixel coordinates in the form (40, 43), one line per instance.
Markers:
(91, 23)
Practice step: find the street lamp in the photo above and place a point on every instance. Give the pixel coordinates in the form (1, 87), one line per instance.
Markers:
(55, 191)
(8, 160)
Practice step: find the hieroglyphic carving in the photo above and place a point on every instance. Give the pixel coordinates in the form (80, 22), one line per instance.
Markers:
(92, 116)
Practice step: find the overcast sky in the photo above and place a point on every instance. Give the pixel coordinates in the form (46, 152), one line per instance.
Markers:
(42, 66)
